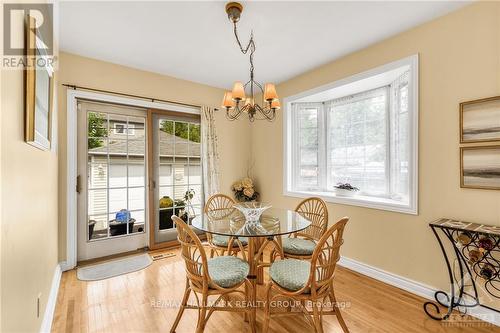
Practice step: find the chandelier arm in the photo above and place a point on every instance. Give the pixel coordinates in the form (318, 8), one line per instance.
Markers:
(235, 114)
(268, 114)
(265, 110)
(262, 110)
(260, 86)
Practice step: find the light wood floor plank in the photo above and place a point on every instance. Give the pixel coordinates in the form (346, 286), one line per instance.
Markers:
(146, 301)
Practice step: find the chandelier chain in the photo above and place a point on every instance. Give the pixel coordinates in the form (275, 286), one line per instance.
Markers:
(250, 46)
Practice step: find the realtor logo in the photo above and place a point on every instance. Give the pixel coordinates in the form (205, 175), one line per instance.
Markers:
(14, 18)
(28, 35)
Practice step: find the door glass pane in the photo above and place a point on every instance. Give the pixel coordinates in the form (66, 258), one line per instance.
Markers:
(166, 191)
(97, 147)
(138, 219)
(137, 198)
(117, 200)
(194, 140)
(137, 150)
(98, 227)
(117, 149)
(180, 175)
(176, 154)
(97, 175)
(97, 202)
(194, 174)
(166, 175)
(136, 174)
(136, 128)
(97, 124)
(116, 174)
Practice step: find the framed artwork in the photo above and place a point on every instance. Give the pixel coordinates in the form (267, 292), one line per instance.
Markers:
(480, 167)
(39, 87)
(480, 120)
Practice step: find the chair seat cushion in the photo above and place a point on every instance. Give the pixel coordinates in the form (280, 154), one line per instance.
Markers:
(291, 274)
(298, 246)
(227, 271)
(223, 241)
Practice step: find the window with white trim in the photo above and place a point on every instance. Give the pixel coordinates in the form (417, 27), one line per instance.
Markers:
(363, 133)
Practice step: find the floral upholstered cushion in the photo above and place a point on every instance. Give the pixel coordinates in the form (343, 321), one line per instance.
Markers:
(220, 240)
(227, 271)
(291, 274)
(298, 246)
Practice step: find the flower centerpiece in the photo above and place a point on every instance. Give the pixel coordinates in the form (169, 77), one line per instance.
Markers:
(244, 190)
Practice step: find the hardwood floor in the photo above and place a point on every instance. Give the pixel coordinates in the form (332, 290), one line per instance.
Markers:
(145, 301)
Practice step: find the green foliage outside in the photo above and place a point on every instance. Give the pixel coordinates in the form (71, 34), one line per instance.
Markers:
(96, 130)
(186, 131)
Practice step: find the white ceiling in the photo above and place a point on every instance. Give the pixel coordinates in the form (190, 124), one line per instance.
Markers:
(194, 40)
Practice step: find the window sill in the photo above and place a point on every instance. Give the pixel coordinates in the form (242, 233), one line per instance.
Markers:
(359, 201)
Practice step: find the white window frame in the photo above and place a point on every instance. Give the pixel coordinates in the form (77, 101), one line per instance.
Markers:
(387, 204)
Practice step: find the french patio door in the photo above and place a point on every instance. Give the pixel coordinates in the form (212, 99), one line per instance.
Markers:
(136, 168)
(112, 179)
(175, 173)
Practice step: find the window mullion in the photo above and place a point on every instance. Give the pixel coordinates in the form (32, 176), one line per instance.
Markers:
(295, 147)
(323, 148)
(389, 159)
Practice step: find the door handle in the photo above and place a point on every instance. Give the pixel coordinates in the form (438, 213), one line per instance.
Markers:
(78, 184)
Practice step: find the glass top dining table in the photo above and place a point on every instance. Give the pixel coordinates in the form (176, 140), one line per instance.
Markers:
(272, 223)
(231, 222)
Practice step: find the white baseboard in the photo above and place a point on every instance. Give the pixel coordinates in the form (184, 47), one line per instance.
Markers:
(51, 301)
(65, 266)
(413, 287)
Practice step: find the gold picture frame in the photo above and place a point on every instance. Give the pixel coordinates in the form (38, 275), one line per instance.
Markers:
(480, 120)
(39, 90)
(480, 167)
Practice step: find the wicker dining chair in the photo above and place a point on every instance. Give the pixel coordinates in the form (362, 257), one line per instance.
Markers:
(308, 281)
(220, 276)
(219, 206)
(300, 245)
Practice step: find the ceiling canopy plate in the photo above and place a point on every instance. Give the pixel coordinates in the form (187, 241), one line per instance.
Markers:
(233, 10)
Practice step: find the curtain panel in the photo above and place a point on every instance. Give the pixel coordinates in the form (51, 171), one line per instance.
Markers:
(209, 152)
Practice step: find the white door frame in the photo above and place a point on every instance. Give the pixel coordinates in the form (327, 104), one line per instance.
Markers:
(71, 159)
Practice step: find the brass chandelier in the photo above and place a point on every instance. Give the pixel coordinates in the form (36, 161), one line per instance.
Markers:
(237, 102)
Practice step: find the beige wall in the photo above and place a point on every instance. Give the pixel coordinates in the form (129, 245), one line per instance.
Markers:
(28, 216)
(234, 143)
(459, 61)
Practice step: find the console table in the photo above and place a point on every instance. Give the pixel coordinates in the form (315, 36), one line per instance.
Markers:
(473, 262)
